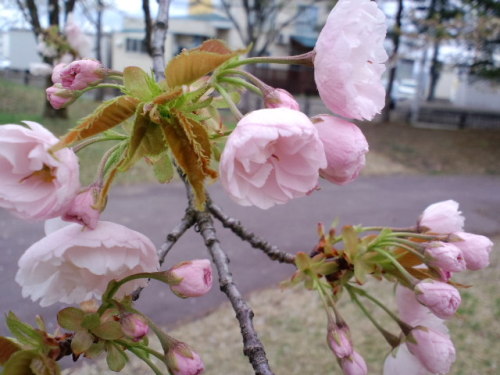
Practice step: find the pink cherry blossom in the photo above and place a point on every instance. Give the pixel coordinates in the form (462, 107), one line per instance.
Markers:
(354, 364)
(442, 217)
(401, 361)
(339, 340)
(76, 38)
(81, 73)
(181, 360)
(60, 97)
(33, 183)
(475, 248)
(56, 72)
(446, 256)
(434, 350)
(194, 278)
(345, 148)
(81, 209)
(350, 58)
(441, 298)
(72, 265)
(280, 98)
(272, 156)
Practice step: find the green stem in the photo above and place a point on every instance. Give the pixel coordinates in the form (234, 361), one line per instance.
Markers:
(304, 59)
(389, 337)
(232, 107)
(262, 86)
(412, 230)
(111, 85)
(128, 345)
(240, 82)
(396, 264)
(90, 141)
(221, 135)
(402, 245)
(151, 365)
(102, 164)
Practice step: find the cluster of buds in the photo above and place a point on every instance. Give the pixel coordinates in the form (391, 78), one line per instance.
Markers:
(421, 260)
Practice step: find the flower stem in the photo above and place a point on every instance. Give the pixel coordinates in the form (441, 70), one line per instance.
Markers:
(304, 59)
(240, 82)
(92, 140)
(146, 360)
(147, 349)
(402, 245)
(232, 107)
(396, 264)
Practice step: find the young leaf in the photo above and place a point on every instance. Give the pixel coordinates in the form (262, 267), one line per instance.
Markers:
(7, 348)
(116, 358)
(23, 332)
(44, 366)
(70, 318)
(163, 169)
(136, 83)
(302, 261)
(81, 342)
(351, 241)
(91, 321)
(106, 116)
(109, 330)
(95, 350)
(19, 363)
(193, 64)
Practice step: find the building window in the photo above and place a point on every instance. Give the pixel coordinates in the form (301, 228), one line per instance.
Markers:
(135, 45)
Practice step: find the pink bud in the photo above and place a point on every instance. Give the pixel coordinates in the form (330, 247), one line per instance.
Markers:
(134, 326)
(441, 217)
(194, 278)
(59, 97)
(339, 340)
(354, 364)
(441, 298)
(433, 349)
(81, 73)
(476, 249)
(181, 360)
(280, 98)
(345, 148)
(81, 209)
(445, 256)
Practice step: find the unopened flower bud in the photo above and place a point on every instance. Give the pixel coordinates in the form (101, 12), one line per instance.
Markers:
(445, 256)
(134, 326)
(60, 97)
(441, 217)
(80, 74)
(476, 249)
(354, 364)
(181, 360)
(82, 210)
(433, 349)
(441, 298)
(339, 340)
(193, 278)
(280, 98)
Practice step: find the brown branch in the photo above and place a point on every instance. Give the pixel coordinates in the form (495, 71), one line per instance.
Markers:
(33, 13)
(148, 25)
(258, 243)
(159, 35)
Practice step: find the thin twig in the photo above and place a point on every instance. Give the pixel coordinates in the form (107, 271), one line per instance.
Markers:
(258, 243)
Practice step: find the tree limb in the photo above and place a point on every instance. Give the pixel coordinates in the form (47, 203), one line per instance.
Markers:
(258, 243)
(159, 35)
(148, 25)
(187, 222)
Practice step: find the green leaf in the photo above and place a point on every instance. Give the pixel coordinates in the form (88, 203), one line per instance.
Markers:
(91, 321)
(193, 64)
(351, 241)
(116, 358)
(163, 169)
(7, 348)
(95, 349)
(70, 318)
(19, 363)
(136, 83)
(110, 330)
(361, 270)
(302, 261)
(106, 116)
(81, 342)
(44, 366)
(326, 268)
(23, 332)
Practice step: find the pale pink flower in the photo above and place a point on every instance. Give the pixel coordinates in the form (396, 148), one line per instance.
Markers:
(400, 361)
(354, 364)
(56, 72)
(476, 249)
(193, 278)
(345, 148)
(350, 58)
(134, 326)
(434, 350)
(280, 98)
(82, 211)
(272, 156)
(441, 298)
(442, 217)
(181, 360)
(446, 256)
(76, 38)
(40, 69)
(72, 265)
(339, 340)
(33, 183)
(60, 97)
(81, 73)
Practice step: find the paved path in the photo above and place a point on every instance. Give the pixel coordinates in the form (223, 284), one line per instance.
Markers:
(153, 210)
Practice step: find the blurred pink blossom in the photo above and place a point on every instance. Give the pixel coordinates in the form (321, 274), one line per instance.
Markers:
(345, 148)
(280, 98)
(194, 278)
(72, 265)
(272, 156)
(80, 42)
(82, 211)
(354, 364)
(401, 361)
(441, 298)
(33, 183)
(475, 248)
(442, 217)
(350, 58)
(446, 256)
